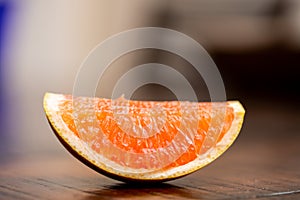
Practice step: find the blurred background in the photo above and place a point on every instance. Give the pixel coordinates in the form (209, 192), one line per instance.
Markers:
(254, 43)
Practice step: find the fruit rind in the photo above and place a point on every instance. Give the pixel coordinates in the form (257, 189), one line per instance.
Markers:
(85, 154)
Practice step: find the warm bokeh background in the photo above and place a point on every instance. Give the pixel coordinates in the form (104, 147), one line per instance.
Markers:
(255, 44)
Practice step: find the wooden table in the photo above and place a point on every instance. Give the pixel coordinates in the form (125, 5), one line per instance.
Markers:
(264, 163)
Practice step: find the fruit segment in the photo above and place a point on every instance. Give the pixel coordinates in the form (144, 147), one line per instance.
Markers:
(143, 140)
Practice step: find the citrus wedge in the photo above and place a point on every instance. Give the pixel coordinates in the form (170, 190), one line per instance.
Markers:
(147, 141)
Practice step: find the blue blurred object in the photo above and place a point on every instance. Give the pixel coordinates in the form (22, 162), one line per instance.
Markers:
(4, 9)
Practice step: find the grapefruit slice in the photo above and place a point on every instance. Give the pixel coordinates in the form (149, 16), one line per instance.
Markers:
(147, 141)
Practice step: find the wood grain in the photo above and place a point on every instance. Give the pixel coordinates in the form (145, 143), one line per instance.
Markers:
(263, 163)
